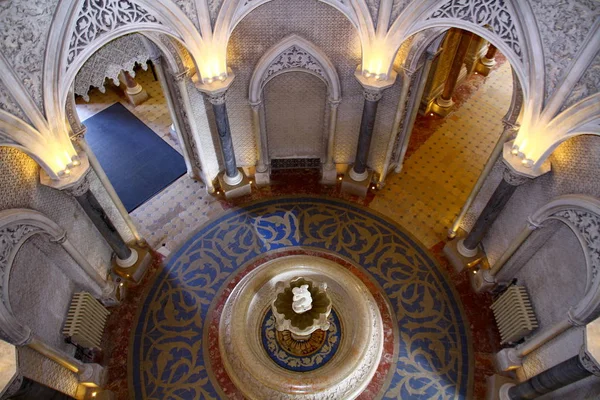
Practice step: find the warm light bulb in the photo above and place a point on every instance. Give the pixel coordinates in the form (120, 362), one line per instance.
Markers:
(340, 178)
(94, 394)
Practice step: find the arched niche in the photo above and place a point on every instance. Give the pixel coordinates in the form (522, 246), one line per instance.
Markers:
(295, 132)
(17, 227)
(293, 54)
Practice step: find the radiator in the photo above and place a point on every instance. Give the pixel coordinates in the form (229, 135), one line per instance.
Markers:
(86, 320)
(514, 315)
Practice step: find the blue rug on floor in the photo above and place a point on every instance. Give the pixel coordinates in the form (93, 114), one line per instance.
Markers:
(138, 162)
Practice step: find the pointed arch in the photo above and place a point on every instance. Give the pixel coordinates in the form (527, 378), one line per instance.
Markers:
(306, 57)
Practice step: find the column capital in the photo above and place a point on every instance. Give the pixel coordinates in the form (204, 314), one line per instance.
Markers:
(79, 188)
(334, 103)
(255, 104)
(521, 166)
(514, 178)
(372, 94)
(216, 98)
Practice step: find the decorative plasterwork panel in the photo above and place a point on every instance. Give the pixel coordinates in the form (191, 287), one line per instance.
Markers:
(213, 8)
(100, 17)
(397, 7)
(587, 85)
(25, 26)
(189, 9)
(563, 27)
(588, 225)
(8, 104)
(493, 13)
(120, 54)
(373, 6)
(294, 57)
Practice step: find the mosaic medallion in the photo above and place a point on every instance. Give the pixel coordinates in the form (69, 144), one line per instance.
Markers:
(300, 355)
(176, 345)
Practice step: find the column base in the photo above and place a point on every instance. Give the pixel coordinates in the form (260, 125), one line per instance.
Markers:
(328, 174)
(93, 375)
(262, 178)
(137, 98)
(135, 272)
(458, 260)
(494, 385)
(113, 294)
(507, 359)
(441, 107)
(484, 66)
(482, 281)
(240, 189)
(356, 188)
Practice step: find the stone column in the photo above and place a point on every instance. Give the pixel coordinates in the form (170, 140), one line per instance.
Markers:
(233, 182)
(486, 63)
(444, 103)
(328, 172)
(232, 175)
(468, 247)
(182, 80)
(177, 127)
(413, 109)
(358, 180)
(125, 256)
(134, 91)
(359, 170)
(262, 173)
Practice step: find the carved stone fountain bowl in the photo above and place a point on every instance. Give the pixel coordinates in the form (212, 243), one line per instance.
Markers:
(247, 363)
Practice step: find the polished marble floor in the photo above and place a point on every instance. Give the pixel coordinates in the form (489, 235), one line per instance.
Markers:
(417, 199)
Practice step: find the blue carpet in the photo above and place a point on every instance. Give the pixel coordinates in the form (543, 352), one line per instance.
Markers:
(138, 162)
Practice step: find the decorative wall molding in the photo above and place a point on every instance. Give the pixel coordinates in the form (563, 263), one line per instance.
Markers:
(96, 18)
(120, 54)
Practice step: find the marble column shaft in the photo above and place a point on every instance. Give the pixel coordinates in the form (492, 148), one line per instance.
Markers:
(493, 208)
(222, 120)
(101, 221)
(563, 374)
(367, 124)
(459, 56)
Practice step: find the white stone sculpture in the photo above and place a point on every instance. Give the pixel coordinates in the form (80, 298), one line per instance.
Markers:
(302, 301)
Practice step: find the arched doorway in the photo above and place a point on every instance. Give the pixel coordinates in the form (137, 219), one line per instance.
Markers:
(441, 156)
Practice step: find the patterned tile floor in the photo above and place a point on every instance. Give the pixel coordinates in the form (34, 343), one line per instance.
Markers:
(418, 198)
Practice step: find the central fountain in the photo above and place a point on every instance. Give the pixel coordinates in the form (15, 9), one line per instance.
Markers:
(300, 327)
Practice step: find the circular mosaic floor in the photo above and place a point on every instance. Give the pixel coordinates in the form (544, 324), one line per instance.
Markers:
(175, 344)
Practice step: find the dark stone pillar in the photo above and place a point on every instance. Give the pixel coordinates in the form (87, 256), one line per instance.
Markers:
(232, 174)
(367, 123)
(563, 374)
(101, 221)
(503, 193)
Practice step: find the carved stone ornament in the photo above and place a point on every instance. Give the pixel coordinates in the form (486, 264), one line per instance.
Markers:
(514, 179)
(294, 57)
(372, 95)
(121, 54)
(97, 18)
(493, 13)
